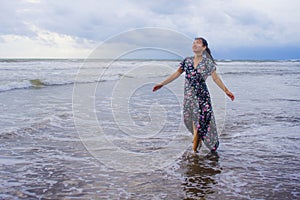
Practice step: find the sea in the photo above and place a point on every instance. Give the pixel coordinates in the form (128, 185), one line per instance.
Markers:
(93, 129)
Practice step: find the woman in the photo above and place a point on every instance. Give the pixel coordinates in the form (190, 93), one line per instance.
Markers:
(197, 109)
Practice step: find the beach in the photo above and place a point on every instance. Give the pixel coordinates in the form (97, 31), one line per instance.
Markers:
(65, 122)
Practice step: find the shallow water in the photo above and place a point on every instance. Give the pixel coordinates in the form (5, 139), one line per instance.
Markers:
(44, 157)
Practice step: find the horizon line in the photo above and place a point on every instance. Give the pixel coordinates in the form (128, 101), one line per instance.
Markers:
(145, 59)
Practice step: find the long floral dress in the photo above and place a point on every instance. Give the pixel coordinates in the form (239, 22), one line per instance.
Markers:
(197, 107)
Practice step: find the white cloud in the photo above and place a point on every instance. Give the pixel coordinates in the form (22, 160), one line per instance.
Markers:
(45, 44)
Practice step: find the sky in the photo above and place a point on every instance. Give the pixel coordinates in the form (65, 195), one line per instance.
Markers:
(234, 29)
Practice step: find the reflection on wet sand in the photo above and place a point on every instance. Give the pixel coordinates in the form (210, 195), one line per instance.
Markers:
(199, 173)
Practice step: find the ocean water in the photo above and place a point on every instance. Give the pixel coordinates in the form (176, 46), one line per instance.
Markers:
(75, 129)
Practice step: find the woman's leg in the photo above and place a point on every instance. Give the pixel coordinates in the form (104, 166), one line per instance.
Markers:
(196, 139)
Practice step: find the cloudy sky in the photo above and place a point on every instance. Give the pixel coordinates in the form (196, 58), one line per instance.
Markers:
(235, 29)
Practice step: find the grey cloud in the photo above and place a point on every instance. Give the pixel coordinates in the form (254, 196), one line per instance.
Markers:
(164, 7)
(99, 20)
(89, 19)
(11, 19)
(251, 18)
(95, 20)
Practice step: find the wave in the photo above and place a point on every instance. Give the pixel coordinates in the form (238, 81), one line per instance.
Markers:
(39, 83)
(278, 73)
(35, 83)
(40, 73)
(57, 120)
(18, 60)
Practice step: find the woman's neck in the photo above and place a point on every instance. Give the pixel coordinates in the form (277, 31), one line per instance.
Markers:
(198, 56)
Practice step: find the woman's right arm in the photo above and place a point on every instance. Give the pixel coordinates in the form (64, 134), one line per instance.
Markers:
(171, 78)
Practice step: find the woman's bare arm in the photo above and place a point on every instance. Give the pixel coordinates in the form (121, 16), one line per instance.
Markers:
(171, 78)
(221, 85)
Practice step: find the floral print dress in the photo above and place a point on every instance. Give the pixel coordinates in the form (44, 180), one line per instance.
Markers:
(197, 107)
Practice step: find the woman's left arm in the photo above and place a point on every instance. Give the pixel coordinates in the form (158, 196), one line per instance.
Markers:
(221, 85)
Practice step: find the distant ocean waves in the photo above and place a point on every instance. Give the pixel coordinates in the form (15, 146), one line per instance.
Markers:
(32, 83)
(39, 73)
(41, 83)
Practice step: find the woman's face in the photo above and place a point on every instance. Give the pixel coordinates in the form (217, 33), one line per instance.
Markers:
(198, 46)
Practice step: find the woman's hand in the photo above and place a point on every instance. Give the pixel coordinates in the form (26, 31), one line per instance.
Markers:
(219, 82)
(157, 87)
(230, 95)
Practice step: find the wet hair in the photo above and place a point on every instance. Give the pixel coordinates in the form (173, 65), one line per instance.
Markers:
(207, 50)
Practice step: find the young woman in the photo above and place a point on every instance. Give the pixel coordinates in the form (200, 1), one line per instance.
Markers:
(197, 108)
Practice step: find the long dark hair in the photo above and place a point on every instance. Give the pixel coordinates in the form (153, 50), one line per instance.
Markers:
(207, 50)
